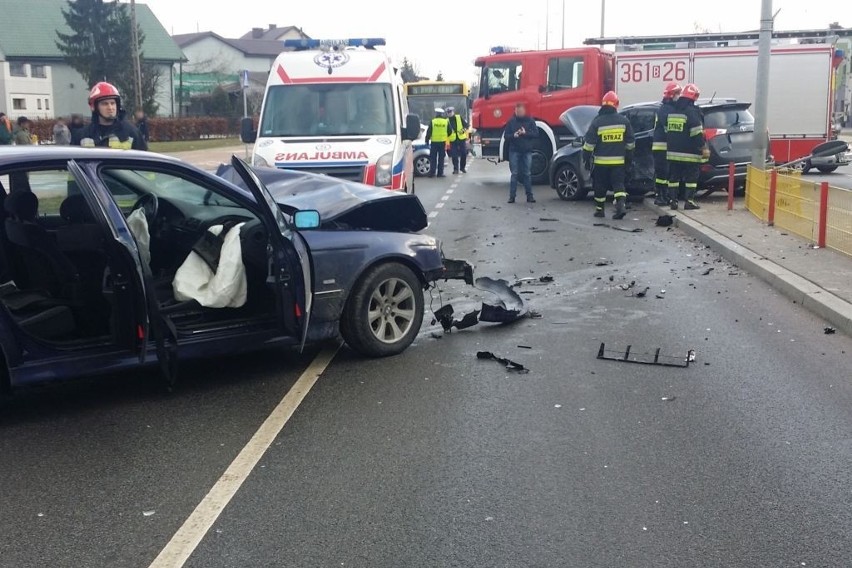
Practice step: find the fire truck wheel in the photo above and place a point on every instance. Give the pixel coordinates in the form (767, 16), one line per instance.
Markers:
(541, 156)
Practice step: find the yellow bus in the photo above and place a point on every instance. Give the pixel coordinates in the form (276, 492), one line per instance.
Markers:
(425, 96)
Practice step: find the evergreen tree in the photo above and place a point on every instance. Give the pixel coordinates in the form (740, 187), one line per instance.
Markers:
(99, 48)
(408, 71)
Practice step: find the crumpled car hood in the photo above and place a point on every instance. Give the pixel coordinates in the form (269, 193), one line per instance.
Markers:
(578, 118)
(341, 204)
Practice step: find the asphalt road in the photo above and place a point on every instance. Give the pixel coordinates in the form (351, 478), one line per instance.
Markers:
(435, 458)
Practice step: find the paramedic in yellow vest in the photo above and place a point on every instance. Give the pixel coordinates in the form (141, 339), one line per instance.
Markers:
(108, 128)
(437, 136)
(458, 140)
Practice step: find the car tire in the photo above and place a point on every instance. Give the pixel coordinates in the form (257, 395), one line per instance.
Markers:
(826, 169)
(569, 185)
(422, 164)
(384, 312)
(542, 154)
(806, 167)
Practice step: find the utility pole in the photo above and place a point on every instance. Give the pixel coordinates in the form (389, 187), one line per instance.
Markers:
(761, 102)
(137, 65)
(603, 16)
(546, 24)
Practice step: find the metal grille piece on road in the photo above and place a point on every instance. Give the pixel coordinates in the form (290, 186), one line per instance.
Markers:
(645, 358)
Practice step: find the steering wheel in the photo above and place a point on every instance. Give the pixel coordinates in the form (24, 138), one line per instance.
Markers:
(149, 204)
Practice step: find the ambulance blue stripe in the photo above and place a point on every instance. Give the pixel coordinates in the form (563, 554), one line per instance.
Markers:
(398, 167)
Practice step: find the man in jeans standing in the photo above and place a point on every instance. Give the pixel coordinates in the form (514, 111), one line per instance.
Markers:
(520, 134)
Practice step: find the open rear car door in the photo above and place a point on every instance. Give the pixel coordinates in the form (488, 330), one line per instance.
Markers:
(149, 320)
(289, 258)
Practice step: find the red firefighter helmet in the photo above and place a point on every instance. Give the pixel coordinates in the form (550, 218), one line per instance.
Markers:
(610, 99)
(672, 89)
(101, 91)
(691, 92)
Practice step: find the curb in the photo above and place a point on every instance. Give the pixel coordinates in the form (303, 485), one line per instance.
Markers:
(817, 300)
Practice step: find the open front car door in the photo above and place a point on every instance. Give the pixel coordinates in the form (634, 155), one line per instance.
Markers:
(289, 258)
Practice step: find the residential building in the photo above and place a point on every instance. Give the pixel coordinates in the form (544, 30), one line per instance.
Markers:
(35, 80)
(213, 60)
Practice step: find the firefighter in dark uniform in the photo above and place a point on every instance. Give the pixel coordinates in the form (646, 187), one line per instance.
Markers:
(661, 165)
(108, 128)
(685, 146)
(607, 151)
(438, 133)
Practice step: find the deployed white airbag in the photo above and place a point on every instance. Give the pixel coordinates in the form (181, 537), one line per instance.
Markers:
(138, 225)
(224, 288)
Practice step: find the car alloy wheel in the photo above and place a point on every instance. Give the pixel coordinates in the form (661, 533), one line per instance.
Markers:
(392, 309)
(567, 183)
(422, 165)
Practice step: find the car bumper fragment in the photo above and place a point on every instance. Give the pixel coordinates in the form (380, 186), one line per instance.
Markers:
(453, 270)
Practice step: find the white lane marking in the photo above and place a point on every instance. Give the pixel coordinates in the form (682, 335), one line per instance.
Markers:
(433, 214)
(189, 535)
(439, 205)
(455, 185)
(445, 197)
(450, 191)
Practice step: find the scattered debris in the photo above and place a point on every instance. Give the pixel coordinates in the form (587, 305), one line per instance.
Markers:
(617, 228)
(463, 238)
(643, 293)
(434, 335)
(829, 331)
(544, 231)
(645, 358)
(548, 219)
(626, 287)
(547, 278)
(524, 347)
(668, 398)
(665, 220)
(148, 513)
(708, 271)
(611, 277)
(557, 406)
(509, 364)
(603, 262)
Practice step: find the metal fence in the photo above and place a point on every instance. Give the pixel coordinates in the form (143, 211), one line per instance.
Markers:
(818, 212)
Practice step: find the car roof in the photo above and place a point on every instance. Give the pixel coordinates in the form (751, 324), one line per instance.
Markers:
(11, 155)
(704, 104)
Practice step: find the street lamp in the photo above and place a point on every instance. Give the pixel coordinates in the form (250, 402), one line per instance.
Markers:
(603, 16)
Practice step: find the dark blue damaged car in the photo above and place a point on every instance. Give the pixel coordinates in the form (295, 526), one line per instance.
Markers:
(116, 259)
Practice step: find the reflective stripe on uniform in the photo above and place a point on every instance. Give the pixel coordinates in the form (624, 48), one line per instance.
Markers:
(691, 185)
(682, 157)
(612, 134)
(696, 130)
(589, 147)
(609, 160)
(676, 123)
(657, 146)
(618, 194)
(660, 181)
(630, 146)
(600, 199)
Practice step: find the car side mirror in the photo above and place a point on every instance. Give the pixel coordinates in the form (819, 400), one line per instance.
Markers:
(308, 219)
(412, 127)
(247, 132)
(577, 142)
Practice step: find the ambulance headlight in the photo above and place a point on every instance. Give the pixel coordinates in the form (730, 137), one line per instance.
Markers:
(259, 161)
(384, 170)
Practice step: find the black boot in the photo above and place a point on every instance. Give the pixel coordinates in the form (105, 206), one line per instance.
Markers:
(620, 208)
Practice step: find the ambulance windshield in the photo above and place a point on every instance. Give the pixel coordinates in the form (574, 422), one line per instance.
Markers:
(328, 109)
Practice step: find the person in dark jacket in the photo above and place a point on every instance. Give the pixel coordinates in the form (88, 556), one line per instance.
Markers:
(108, 128)
(5, 130)
(607, 150)
(658, 148)
(520, 135)
(685, 146)
(437, 136)
(142, 125)
(76, 124)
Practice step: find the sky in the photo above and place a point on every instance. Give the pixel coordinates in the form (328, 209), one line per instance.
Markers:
(472, 27)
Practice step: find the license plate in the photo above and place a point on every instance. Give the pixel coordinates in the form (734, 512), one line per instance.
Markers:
(742, 138)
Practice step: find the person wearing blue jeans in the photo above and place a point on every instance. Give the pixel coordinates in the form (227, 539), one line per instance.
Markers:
(520, 135)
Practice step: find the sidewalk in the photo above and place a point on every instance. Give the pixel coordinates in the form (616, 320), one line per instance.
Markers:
(818, 279)
(211, 158)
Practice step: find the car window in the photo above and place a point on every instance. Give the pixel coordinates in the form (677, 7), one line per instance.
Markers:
(564, 73)
(127, 185)
(642, 120)
(502, 77)
(725, 118)
(51, 186)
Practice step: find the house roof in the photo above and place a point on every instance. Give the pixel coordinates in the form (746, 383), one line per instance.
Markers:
(28, 27)
(272, 33)
(249, 47)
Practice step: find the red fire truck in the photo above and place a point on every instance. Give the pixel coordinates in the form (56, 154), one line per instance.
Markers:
(550, 82)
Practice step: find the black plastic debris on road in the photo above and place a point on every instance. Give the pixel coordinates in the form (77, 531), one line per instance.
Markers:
(642, 293)
(665, 220)
(617, 228)
(548, 219)
(545, 279)
(707, 272)
(629, 355)
(829, 331)
(603, 262)
(508, 363)
(544, 231)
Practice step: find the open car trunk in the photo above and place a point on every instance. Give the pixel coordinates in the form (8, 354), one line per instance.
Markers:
(341, 204)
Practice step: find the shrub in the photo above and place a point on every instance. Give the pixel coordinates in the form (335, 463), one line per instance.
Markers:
(165, 129)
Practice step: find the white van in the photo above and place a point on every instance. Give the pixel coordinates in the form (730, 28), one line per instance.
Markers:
(336, 107)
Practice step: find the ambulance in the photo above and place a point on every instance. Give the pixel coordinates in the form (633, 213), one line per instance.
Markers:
(336, 107)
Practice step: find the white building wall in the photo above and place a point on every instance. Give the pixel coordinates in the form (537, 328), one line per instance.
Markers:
(27, 95)
(209, 55)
